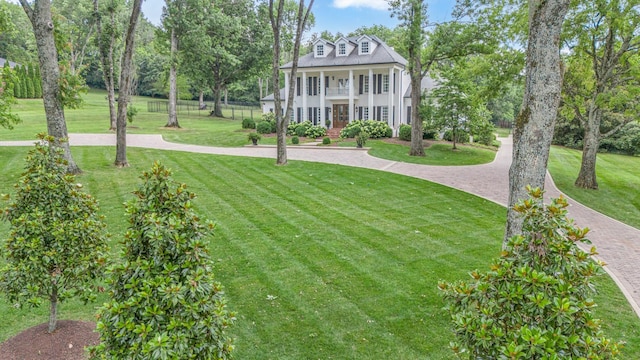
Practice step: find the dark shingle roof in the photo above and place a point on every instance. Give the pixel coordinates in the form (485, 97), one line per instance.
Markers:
(271, 96)
(383, 54)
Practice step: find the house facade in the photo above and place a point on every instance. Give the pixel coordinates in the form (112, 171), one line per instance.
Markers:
(355, 78)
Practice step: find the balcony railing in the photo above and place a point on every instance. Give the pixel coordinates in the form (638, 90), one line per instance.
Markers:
(337, 91)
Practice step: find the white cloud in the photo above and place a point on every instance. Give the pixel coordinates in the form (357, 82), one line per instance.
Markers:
(374, 4)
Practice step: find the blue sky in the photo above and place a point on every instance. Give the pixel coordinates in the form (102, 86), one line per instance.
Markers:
(339, 15)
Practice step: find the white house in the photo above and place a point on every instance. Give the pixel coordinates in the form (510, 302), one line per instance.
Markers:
(350, 79)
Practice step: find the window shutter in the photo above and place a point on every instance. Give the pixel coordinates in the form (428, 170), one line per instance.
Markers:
(360, 84)
(299, 113)
(379, 85)
(315, 85)
(298, 86)
(375, 81)
(360, 111)
(379, 112)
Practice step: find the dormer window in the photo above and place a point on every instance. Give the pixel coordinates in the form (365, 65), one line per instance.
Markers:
(364, 47)
(320, 50)
(342, 49)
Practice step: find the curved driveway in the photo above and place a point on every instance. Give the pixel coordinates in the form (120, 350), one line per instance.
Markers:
(618, 244)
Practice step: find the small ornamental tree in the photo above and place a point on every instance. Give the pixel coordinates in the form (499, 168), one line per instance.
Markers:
(7, 118)
(535, 302)
(57, 245)
(165, 303)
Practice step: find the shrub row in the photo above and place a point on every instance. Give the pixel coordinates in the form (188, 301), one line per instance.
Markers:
(306, 129)
(375, 129)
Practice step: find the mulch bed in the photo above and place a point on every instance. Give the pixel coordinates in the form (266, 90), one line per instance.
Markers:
(66, 343)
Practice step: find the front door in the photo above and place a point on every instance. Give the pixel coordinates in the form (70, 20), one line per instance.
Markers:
(340, 115)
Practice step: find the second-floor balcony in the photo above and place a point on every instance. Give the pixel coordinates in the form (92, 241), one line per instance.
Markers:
(339, 92)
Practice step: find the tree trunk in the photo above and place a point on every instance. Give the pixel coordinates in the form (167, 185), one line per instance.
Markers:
(587, 176)
(415, 72)
(53, 309)
(454, 136)
(217, 107)
(126, 73)
(106, 58)
(40, 17)
(201, 100)
(282, 121)
(226, 97)
(173, 80)
(260, 87)
(534, 125)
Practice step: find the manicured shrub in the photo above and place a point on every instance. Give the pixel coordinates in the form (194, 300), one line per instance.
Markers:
(164, 301)
(429, 133)
(56, 244)
(461, 136)
(248, 123)
(316, 131)
(301, 131)
(484, 133)
(405, 132)
(132, 111)
(535, 302)
(295, 140)
(326, 141)
(265, 127)
(361, 139)
(375, 129)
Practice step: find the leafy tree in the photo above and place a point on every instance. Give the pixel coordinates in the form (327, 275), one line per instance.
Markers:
(534, 125)
(535, 302)
(17, 42)
(446, 41)
(54, 95)
(165, 302)
(75, 28)
(227, 43)
(56, 246)
(603, 74)
(28, 82)
(124, 94)
(108, 32)
(276, 17)
(7, 79)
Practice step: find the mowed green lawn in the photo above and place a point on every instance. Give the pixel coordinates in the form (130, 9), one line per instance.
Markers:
(319, 261)
(618, 193)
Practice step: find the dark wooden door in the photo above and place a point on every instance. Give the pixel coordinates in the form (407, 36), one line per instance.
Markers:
(340, 115)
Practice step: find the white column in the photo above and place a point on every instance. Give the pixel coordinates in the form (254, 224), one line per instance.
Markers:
(390, 99)
(286, 91)
(351, 100)
(304, 96)
(322, 105)
(370, 94)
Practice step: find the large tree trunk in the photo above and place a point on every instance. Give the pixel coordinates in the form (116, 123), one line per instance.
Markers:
(415, 72)
(40, 17)
(587, 176)
(217, 107)
(534, 125)
(126, 74)
(53, 309)
(173, 80)
(282, 121)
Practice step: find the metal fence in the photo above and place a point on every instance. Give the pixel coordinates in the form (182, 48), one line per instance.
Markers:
(233, 110)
